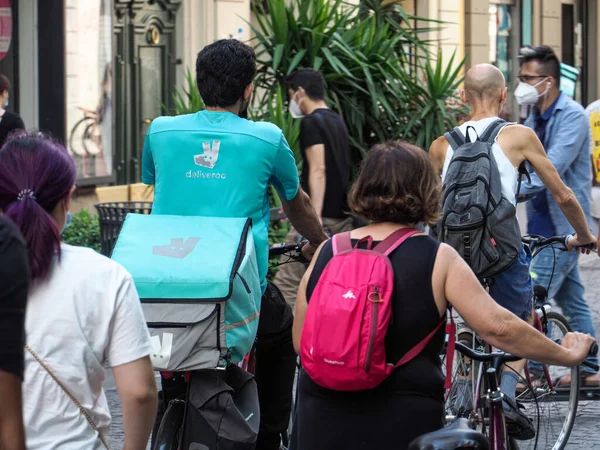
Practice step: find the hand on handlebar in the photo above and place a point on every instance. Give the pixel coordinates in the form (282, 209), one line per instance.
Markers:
(578, 345)
(308, 250)
(584, 244)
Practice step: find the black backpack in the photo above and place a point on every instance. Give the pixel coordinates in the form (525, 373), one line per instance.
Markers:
(477, 220)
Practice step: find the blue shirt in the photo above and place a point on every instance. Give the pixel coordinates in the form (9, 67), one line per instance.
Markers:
(217, 164)
(567, 143)
(540, 222)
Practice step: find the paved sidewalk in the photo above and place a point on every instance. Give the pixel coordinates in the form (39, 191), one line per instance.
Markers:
(585, 434)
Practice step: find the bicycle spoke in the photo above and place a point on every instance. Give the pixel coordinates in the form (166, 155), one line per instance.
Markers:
(552, 408)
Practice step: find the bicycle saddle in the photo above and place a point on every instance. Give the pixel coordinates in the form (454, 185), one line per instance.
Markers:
(459, 434)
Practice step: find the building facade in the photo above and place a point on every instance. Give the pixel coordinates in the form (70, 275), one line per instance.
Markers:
(95, 72)
(492, 31)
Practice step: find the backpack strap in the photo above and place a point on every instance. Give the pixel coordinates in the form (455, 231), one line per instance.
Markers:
(450, 348)
(417, 349)
(455, 138)
(341, 243)
(491, 132)
(368, 240)
(394, 240)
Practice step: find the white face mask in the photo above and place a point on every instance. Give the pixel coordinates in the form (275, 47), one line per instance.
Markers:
(526, 94)
(295, 110)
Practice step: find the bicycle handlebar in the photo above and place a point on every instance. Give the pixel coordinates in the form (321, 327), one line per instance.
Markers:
(593, 352)
(485, 357)
(537, 243)
(294, 251)
(497, 357)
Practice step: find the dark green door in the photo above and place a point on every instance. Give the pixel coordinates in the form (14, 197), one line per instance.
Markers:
(145, 42)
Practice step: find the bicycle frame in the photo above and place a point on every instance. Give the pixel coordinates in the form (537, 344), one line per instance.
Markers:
(491, 362)
(498, 437)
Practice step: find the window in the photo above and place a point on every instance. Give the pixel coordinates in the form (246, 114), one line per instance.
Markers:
(89, 116)
(500, 28)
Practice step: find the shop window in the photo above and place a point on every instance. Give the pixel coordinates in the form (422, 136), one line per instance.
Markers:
(500, 27)
(89, 113)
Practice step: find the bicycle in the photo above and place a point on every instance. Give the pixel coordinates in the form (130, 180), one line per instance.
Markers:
(539, 385)
(85, 142)
(170, 430)
(461, 434)
(83, 139)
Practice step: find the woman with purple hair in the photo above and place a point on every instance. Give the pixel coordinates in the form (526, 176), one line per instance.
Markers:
(83, 312)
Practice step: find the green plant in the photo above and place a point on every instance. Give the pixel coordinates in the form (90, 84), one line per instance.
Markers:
(272, 109)
(367, 55)
(84, 231)
(187, 100)
(435, 103)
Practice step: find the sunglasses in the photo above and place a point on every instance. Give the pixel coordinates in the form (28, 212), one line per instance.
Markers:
(527, 78)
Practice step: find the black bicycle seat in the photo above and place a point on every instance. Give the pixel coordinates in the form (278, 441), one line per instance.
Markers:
(459, 434)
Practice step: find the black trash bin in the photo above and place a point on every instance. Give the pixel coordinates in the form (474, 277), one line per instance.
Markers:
(111, 216)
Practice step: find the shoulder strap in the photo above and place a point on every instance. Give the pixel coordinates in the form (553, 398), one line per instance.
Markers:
(341, 243)
(417, 349)
(455, 138)
(394, 240)
(491, 132)
(450, 348)
(71, 396)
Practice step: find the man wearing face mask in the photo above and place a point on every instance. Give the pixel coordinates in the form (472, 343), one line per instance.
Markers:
(216, 163)
(485, 93)
(325, 165)
(564, 129)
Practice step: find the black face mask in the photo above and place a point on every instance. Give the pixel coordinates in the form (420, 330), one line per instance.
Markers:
(244, 109)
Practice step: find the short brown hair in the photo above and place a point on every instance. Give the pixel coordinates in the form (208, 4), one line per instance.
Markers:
(4, 83)
(396, 183)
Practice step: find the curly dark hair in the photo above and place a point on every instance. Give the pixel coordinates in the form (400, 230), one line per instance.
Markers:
(223, 71)
(396, 183)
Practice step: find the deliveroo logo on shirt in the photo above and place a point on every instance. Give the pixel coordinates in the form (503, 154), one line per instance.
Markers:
(210, 156)
(207, 159)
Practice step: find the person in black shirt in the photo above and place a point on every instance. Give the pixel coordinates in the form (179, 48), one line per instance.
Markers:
(14, 285)
(9, 121)
(325, 165)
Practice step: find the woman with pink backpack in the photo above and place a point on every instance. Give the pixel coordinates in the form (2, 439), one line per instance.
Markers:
(370, 340)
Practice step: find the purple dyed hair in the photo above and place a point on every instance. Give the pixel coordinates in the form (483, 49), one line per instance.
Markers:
(31, 162)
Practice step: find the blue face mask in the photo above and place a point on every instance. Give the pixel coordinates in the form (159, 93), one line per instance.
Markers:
(6, 104)
(68, 222)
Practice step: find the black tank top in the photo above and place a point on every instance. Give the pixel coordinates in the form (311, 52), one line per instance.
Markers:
(414, 316)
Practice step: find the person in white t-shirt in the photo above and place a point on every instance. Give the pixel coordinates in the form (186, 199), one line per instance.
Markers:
(83, 313)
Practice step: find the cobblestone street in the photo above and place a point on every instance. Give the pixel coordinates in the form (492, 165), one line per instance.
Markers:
(585, 434)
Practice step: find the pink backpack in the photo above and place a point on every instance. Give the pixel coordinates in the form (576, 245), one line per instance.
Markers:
(343, 339)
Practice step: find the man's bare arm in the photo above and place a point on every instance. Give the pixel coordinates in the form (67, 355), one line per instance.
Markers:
(12, 436)
(533, 151)
(315, 155)
(301, 213)
(437, 154)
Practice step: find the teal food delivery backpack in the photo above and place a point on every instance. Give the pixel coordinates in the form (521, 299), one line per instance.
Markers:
(197, 278)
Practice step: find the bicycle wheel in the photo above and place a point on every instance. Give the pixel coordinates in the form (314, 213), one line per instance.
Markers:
(461, 399)
(551, 407)
(91, 139)
(77, 137)
(169, 432)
